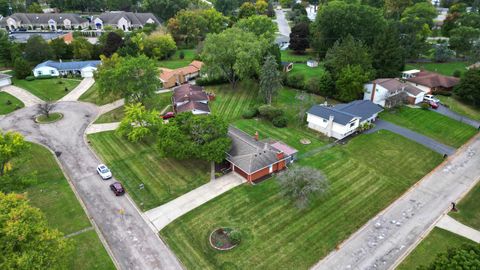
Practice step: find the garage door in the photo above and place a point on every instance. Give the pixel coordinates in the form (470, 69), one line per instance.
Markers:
(5, 82)
(87, 74)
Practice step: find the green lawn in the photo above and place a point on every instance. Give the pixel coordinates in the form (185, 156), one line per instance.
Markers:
(431, 124)
(92, 95)
(469, 209)
(175, 61)
(290, 56)
(306, 71)
(442, 68)
(5, 107)
(366, 175)
(53, 195)
(460, 107)
(47, 89)
(437, 241)
(111, 116)
(139, 163)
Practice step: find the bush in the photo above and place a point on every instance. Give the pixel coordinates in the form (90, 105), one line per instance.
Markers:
(269, 112)
(29, 78)
(425, 106)
(457, 73)
(43, 77)
(313, 85)
(22, 68)
(181, 55)
(296, 81)
(250, 113)
(280, 121)
(235, 237)
(9, 102)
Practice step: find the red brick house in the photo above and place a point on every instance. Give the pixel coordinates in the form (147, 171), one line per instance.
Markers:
(254, 159)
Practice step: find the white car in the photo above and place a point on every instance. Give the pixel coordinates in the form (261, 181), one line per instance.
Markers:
(104, 172)
(431, 98)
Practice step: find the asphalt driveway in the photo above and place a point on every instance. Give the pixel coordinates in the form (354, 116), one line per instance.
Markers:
(449, 113)
(414, 136)
(131, 241)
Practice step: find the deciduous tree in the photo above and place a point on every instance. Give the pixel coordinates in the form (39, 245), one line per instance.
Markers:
(350, 83)
(37, 50)
(299, 37)
(112, 43)
(138, 122)
(463, 38)
(34, 8)
(260, 25)
(61, 50)
(12, 144)
(160, 46)
(82, 49)
(247, 9)
(270, 79)
(165, 9)
(464, 257)
(22, 68)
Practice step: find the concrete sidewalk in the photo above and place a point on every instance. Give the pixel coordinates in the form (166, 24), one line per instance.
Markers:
(96, 128)
(165, 214)
(391, 235)
(111, 106)
(78, 91)
(23, 95)
(451, 225)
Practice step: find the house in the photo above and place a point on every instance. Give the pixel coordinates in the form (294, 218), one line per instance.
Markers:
(22, 37)
(84, 69)
(342, 120)
(255, 160)
(190, 98)
(174, 77)
(312, 63)
(287, 66)
(282, 41)
(430, 82)
(42, 21)
(123, 20)
(390, 92)
(5, 79)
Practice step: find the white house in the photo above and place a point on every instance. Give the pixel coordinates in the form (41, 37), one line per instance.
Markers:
(123, 20)
(343, 119)
(84, 69)
(5, 79)
(53, 21)
(389, 92)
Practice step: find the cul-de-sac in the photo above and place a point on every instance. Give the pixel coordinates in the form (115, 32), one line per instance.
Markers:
(240, 134)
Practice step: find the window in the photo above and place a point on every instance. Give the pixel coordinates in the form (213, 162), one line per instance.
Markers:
(52, 71)
(324, 120)
(352, 124)
(39, 73)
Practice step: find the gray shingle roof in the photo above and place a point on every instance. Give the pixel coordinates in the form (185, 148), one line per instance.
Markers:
(43, 18)
(77, 65)
(344, 113)
(325, 113)
(133, 18)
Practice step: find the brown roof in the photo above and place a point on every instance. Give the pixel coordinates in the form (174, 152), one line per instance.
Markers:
(189, 92)
(432, 79)
(192, 105)
(193, 67)
(394, 85)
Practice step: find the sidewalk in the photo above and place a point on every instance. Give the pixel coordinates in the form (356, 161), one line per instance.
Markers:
(96, 128)
(451, 225)
(76, 93)
(165, 214)
(111, 106)
(23, 95)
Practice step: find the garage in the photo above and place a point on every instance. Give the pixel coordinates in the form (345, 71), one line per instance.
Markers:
(5, 80)
(87, 72)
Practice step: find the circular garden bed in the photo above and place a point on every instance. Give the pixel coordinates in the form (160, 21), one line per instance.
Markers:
(53, 117)
(224, 238)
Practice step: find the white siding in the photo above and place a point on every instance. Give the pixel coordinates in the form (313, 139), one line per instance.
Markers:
(42, 71)
(381, 94)
(425, 89)
(87, 72)
(338, 131)
(5, 82)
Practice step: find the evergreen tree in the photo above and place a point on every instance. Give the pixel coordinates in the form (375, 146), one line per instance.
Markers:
(387, 53)
(270, 79)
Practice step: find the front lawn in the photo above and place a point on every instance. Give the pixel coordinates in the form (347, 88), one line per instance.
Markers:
(175, 61)
(9, 103)
(47, 89)
(366, 175)
(469, 209)
(456, 105)
(431, 124)
(139, 163)
(438, 241)
(92, 95)
(442, 68)
(53, 195)
(115, 115)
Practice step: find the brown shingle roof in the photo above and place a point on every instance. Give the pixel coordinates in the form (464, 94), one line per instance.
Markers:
(395, 85)
(432, 79)
(193, 67)
(192, 105)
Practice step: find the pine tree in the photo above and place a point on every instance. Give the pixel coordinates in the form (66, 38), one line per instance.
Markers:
(270, 79)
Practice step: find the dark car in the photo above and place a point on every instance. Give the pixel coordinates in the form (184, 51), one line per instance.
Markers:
(433, 104)
(117, 188)
(168, 115)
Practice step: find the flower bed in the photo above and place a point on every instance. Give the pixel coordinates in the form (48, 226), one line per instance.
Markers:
(224, 238)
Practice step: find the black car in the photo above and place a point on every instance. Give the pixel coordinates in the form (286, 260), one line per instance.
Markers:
(117, 188)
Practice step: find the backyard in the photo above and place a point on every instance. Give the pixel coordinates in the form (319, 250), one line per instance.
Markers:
(53, 195)
(175, 61)
(134, 164)
(306, 71)
(442, 68)
(365, 176)
(290, 56)
(47, 89)
(9, 103)
(431, 124)
(460, 107)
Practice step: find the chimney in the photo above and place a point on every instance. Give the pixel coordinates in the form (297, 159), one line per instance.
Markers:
(256, 136)
(280, 155)
(330, 126)
(374, 87)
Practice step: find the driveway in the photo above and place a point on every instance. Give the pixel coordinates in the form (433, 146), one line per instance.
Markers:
(132, 242)
(78, 91)
(23, 95)
(387, 238)
(414, 136)
(449, 113)
(283, 26)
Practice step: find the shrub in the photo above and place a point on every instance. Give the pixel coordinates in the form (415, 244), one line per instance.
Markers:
(296, 81)
(457, 73)
(280, 121)
(181, 55)
(313, 85)
(29, 78)
(9, 102)
(235, 237)
(250, 113)
(22, 68)
(425, 106)
(269, 112)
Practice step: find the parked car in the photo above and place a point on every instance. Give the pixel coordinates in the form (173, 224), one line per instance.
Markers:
(430, 98)
(104, 172)
(117, 189)
(434, 105)
(168, 115)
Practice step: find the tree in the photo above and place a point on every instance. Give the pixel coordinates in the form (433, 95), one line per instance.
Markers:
(26, 240)
(226, 6)
(5, 44)
(299, 38)
(82, 49)
(34, 8)
(261, 6)
(165, 9)
(394, 8)
(422, 13)
(22, 68)
(247, 9)
(138, 122)
(270, 79)
(12, 145)
(133, 78)
(443, 53)
(112, 43)
(387, 53)
(463, 257)
(45, 108)
(326, 85)
(348, 52)
(463, 38)
(374, 3)
(194, 136)
(469, 87)
(234, 54)
(301, 184)
(350, 83)
(160, 46)
(260, 25)
(37, 50)
(60, 49)
(338, 19)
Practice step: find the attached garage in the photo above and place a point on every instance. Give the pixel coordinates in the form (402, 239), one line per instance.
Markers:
(5, 80)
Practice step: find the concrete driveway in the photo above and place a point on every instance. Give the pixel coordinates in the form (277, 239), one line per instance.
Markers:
(414, 136)
(449, 113)
(283, 26)
(78, 91)
(23, 95)
(131, 241)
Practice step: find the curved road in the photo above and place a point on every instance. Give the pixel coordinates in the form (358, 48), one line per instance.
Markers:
(131, 241)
